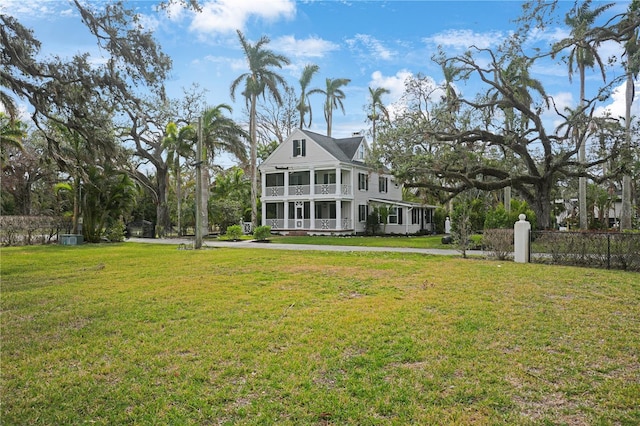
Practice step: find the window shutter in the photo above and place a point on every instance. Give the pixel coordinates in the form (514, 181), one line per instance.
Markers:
(295, 147)
(303, 151)
(399, 215)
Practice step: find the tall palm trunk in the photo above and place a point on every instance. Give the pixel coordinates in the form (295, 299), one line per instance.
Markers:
(625, 214)
(582, 181)
(254, 155)
(179, 197)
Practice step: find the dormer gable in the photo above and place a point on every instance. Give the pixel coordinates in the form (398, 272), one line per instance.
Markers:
(304, 146)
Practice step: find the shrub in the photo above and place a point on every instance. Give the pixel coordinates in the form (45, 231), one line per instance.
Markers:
(115, 233)
(262, 233)
(439, 216)
(234, 232)
(498, 242)
(373, 223)
(497, 218)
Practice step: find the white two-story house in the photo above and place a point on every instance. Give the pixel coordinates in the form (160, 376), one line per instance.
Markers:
(316, 184)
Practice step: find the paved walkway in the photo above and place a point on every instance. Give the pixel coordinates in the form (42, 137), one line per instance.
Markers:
(319, 247)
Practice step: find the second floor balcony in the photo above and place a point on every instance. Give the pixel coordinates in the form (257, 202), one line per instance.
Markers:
(301, 184)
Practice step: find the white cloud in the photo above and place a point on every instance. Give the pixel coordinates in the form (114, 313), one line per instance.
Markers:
(548, 36)
(394, 83)
(312, 47)
(463, 39)
(396, 86)
(35, 8)
(148, 22)
(370, 47)
(617, 105)
(237, 64)
(223, 16)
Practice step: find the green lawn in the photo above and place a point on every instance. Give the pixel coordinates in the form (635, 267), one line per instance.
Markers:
(427, 242)
(148, 334)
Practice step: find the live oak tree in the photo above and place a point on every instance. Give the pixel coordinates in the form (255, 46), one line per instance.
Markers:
(82, 96)
(450, 152)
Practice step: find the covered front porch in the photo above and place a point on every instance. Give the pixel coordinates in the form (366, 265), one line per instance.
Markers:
(312, 216)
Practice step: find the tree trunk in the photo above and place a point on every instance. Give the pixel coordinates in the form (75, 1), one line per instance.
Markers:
(179, 198)
(625, 213)
(254, 177)
(205, 197)
(163, 220)
(540, 203)
(582, 181)
(76, 206)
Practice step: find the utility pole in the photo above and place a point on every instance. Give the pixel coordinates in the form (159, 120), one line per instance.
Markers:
(198, 242)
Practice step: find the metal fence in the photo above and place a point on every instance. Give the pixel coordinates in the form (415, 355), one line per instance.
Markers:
(611, 250)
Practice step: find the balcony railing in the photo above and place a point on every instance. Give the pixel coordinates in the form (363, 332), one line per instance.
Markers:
(318, 224)
(305, 190)
(325, 189)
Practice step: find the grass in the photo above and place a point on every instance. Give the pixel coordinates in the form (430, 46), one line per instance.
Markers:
(427, 242)
(148, 334)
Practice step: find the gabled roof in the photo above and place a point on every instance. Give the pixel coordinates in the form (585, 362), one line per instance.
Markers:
(343, 149)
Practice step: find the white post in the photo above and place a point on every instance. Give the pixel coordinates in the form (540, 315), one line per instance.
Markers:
(521, 231)
(199, 232)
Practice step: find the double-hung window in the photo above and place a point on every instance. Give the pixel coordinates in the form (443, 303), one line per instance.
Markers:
(383, 184)
(299, 147)
(395, 215)
(363, 212)
(363, 182)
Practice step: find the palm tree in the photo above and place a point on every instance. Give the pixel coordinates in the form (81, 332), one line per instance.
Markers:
(9, 105)
(376, 103)
(222, 133)
(334, 96)
(11, 135)
(178, 143)
(259, 79)
(584, 54)
(632, 51)
(219, 133)
(303, 102)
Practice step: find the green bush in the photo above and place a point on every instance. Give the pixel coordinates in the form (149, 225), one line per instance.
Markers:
(497, 218)
(115, 232)
(234, 232)
(439, 216)
(262, 233)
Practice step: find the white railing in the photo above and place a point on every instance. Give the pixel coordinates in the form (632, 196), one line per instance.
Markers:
(325, 224)
(325, 189)
(301, 190)
(274, 191)
(318, 224)
(276, 223)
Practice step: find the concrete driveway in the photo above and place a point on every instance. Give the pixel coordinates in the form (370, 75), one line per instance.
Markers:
(278, 246)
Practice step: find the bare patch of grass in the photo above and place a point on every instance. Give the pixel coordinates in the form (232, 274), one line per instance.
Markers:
(149, 334)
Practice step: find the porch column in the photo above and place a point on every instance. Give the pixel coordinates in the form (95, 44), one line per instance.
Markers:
(312, 213)
(263, 193)
(286, 211)
(338, 214)
(312, 181)
(286, 183)
(338, 181)
(408, 216)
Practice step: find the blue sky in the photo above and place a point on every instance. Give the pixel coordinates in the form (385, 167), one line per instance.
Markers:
(374, 43)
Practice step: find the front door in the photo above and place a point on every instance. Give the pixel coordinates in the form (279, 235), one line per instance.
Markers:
(299, 215)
